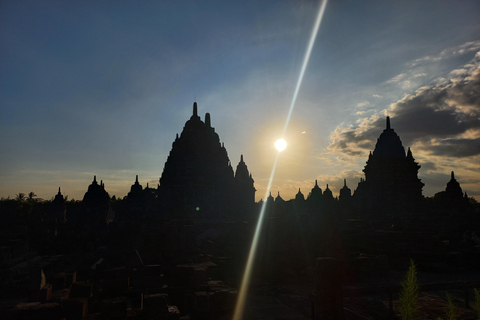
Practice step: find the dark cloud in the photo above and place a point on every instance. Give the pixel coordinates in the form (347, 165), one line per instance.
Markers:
(443, 119)
(456, 148)
(428, 166)
(443, 110)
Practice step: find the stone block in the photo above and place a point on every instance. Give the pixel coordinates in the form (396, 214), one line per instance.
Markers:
(46, 293)
(201, 276)
(183, 277)
(115, 287)
(114, 308)
(75, 309)
(115, 273)
(223, 301)
(58, 282)
(173, 313)
(25, 311)
(155, 304)
(152, 282)
(49, 311)
(70, 278)
(84, 274)
(60, 295)
(202, 302)
(135, 298)
(152, 270)
(42, 295)
(81, 290)
(371, 266)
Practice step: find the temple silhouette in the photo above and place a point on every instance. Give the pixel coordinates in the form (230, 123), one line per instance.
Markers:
(178, 251)
(391, 184)
(198, 177)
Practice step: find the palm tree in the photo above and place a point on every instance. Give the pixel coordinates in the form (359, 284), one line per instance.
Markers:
(31, 195)
(20, 197)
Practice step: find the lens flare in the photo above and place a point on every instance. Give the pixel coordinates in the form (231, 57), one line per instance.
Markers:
(305, 62)
(280, 144)
(242, 295)
(239, 308)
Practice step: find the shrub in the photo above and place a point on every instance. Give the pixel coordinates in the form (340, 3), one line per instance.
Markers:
(477, 302)
(409, 294)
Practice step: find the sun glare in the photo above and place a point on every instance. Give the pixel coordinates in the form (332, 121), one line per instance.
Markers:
(280, 144)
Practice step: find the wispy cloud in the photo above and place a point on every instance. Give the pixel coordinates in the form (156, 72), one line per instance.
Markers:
(471, 46)
(426, 69)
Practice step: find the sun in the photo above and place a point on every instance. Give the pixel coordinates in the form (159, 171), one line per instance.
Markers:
(280, 144)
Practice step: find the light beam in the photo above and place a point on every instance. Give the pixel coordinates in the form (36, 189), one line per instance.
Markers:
(306, 58)
(253, 249)
(239, 308)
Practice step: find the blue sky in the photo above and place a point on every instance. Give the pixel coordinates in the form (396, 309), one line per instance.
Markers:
(102, 87)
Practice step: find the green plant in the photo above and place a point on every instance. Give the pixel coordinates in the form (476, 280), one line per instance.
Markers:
(477, 302)
(451, 309)
(409, 294)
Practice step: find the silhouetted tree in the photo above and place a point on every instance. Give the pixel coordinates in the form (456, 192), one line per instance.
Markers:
(31, 195)
(20, 197)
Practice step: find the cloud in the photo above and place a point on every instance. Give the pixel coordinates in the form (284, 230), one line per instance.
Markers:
(430, 67)
(442, 119)
(363, 104)
(452, 147)
(353, 141)
(444, 111)
(418, 75)
(471, 46)
(336, 182)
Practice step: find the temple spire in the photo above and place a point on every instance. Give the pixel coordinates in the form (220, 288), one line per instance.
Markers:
(195, 109)
(344, 182)
(136, 179)
(59, 190)
(388, 122)
(453, 176)
(207, 120)
(241, 158)
(316, 184)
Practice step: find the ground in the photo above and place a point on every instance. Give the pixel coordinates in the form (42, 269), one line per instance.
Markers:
(292, 301)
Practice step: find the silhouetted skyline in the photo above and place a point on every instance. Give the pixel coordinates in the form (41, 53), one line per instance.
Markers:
(102, 89)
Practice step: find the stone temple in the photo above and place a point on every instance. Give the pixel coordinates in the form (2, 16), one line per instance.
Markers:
(391, 181)
(198, 179)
